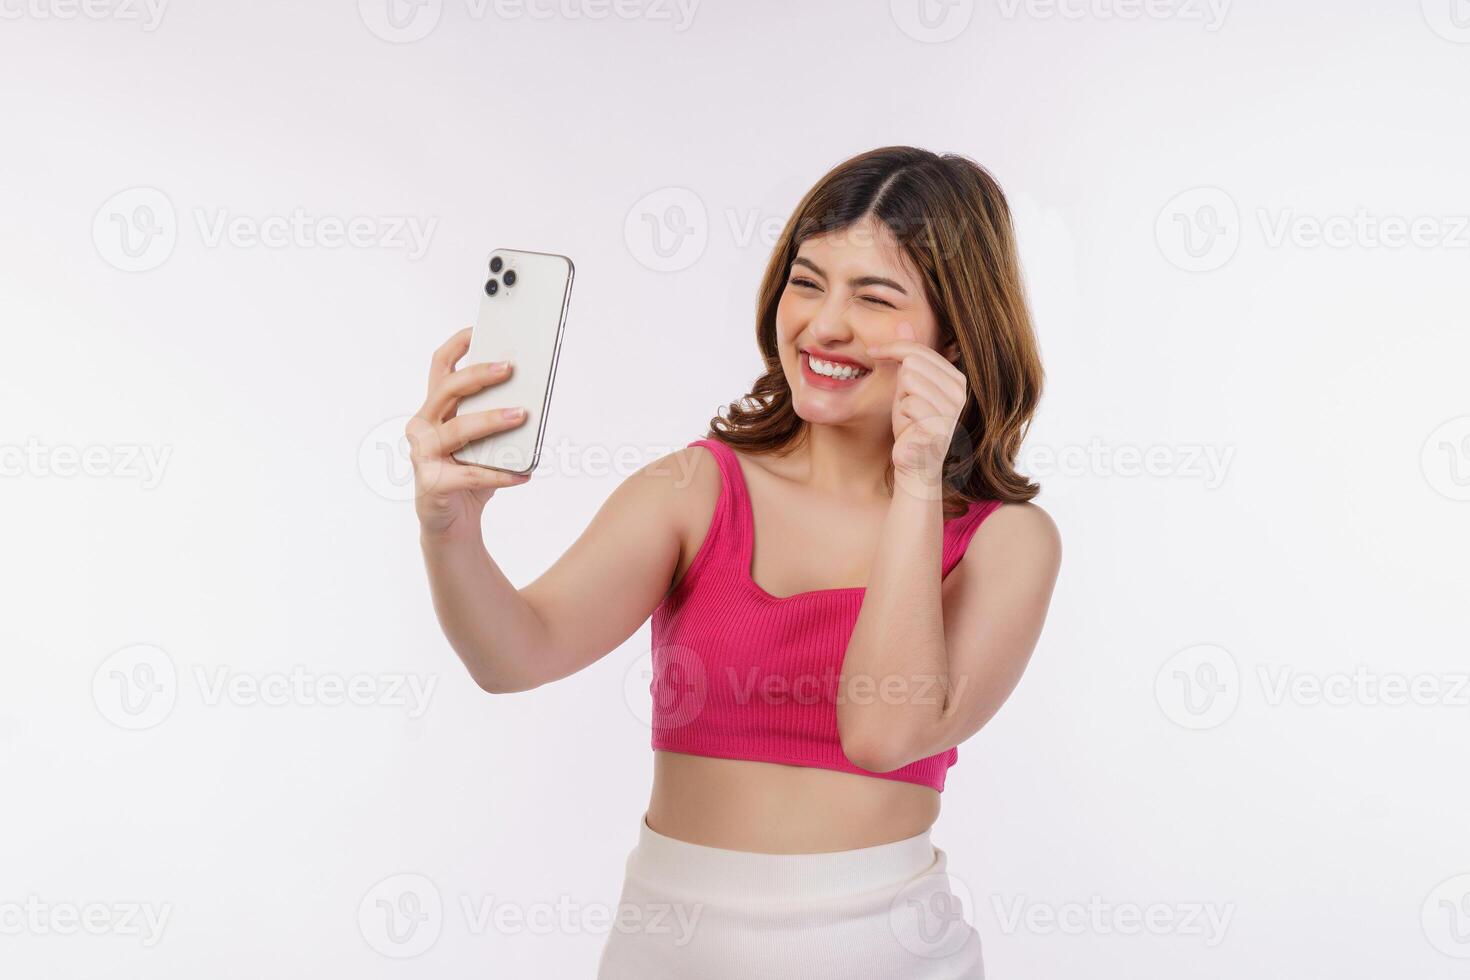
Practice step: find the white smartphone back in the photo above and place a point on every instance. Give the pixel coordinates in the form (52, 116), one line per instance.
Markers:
(523, 306)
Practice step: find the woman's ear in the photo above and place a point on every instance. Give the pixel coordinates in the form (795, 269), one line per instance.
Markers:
(951, 352)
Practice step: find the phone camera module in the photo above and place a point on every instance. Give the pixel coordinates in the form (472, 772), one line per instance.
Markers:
(495, 264)
(510, 277)
(492, 287)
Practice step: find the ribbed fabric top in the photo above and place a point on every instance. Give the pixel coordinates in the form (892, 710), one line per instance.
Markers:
(739, 673)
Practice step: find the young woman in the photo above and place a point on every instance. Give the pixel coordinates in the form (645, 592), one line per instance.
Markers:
(846, 580)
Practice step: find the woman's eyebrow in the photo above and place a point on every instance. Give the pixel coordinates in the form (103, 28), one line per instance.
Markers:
(856, 283)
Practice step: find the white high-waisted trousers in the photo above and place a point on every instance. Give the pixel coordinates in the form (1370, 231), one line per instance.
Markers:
(705, 913)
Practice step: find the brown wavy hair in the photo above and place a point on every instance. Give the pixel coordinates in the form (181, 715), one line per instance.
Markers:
(953, 224)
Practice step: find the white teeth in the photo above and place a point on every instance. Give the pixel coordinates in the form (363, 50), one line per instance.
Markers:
(831, 369)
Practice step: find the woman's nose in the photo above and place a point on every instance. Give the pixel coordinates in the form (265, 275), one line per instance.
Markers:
(830, 323)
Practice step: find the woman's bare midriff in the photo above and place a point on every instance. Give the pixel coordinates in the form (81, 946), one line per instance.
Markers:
(772, 808)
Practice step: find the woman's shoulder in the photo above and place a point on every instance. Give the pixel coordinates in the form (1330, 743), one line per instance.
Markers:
(1019, 526)
(683, 486)
(675, 476)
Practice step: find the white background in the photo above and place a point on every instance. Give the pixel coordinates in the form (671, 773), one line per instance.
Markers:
(1148, 763)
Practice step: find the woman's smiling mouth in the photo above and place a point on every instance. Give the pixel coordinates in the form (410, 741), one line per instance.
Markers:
(831, 374)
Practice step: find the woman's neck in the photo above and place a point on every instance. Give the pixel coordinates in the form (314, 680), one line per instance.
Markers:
(843, 462)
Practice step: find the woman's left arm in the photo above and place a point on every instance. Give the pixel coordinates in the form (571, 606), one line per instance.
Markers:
(925, 671)
(931, 660)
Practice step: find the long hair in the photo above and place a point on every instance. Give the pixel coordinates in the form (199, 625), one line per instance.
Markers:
(953, 223)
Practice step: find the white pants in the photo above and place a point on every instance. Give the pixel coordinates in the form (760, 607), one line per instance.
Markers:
(704, 913)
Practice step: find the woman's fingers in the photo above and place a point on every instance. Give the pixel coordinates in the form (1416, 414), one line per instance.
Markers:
(895, 350)
(477, 478)
(929, 389)
(430, 440)
(464, 429)
(433, 445)
(448, 355)
(444, 476)
(447, 490)
(917, 408)
(918, 358)
(446, 393)
(929, 363)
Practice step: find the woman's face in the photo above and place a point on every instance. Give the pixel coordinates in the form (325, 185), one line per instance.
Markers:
(846, 291)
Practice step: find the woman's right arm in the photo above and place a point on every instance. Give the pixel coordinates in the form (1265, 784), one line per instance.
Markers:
(586, 604)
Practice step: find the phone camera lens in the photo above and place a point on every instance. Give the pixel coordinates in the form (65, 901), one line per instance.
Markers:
(492, 287)
(510, 277)
(495, 264)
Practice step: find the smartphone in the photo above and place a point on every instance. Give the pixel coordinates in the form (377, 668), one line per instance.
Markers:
(523, 312)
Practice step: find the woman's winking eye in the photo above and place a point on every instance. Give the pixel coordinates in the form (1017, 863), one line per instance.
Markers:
(803, 282)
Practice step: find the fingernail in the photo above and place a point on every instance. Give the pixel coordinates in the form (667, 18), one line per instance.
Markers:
(513, 413)
(499, 365)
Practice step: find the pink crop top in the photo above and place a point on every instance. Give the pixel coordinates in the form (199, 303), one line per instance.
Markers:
(741, 674)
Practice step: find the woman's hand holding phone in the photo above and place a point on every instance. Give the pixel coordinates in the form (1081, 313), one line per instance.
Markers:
(447, 493)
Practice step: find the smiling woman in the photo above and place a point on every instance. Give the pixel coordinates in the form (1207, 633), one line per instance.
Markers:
(902, 235)
(901, 373)
(845, 578)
